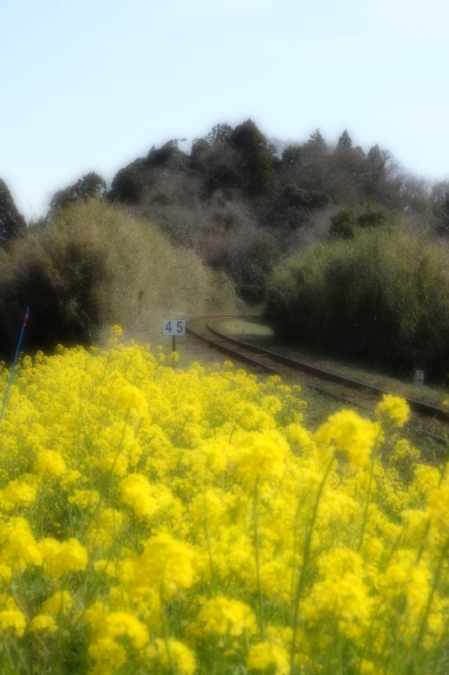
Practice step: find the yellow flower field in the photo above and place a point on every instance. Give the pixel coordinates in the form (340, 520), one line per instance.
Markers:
(160, 521)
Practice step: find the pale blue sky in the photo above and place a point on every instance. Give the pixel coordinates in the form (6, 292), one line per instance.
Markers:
(90, 85)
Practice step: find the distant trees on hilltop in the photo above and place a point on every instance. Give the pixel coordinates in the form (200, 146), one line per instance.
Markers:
(11, 221)
(90, 186)
(236, 191)
(242, 201)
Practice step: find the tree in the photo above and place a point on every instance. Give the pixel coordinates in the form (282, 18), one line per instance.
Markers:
(127, 185)
(199, 148)
(440, 206)
(253, 147)
(90, 186)
(345, 140)
(220, 133)
(11, 221)
(292, 155)
(317, 138)
(169, 151)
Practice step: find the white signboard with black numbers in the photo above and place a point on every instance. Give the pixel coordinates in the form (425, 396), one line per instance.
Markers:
(174, 327)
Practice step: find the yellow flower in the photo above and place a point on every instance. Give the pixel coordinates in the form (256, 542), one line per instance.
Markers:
(403, 450)
(105, 529)
(164, 653)
(13, 620)
(261, 456)
(116, 624)
(271, 404)
(17, 493)
(49, 463)
(395, 408)
(17, 544)
(107, 654)
(265, 655)
(87, 499)
(166, 564)
(145, 499)
(130, 397)
(351, 433)
(69, 478)
(60, 558)
(223, 616)
(43, 622)
(60, 602)
(5, 574)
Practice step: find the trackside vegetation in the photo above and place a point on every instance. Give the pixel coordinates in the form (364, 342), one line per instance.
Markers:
(381, 296)
(168, 521)
(93, 264)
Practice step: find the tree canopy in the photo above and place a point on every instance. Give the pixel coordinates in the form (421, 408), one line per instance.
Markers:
(11, 221)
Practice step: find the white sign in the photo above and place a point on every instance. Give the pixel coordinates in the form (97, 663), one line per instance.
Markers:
(174, 327)
(418, 380)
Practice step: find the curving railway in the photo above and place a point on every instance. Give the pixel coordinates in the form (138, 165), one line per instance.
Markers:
(348, 391)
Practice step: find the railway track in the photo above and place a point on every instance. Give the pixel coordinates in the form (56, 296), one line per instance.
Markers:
(347, 390)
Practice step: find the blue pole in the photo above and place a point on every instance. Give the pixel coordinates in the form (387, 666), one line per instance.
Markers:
(5, 399)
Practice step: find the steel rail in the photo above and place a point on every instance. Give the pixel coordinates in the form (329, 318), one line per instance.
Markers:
(222, 341)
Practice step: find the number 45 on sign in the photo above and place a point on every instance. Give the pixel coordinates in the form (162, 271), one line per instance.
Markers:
(174, 327)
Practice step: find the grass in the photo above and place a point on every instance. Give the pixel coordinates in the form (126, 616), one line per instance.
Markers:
(255, 331)
(258, 333)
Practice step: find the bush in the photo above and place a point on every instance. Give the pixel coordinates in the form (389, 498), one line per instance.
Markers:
(87, 268)
(343, 224)
(382, 296)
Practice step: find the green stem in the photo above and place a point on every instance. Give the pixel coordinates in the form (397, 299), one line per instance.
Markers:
(305, 560)
(166, 640)
(429, 520)
(209, 549)
(368, 497)
(257, 550)
(429, 605)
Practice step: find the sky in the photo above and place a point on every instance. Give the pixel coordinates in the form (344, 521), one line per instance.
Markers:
(91, 85)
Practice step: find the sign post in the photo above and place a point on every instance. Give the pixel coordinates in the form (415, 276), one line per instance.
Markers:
(174, 327)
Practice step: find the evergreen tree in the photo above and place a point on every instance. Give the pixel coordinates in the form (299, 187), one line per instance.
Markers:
(90, 186)
(220, 133)
(345, 140)
(253, 146)
(11, 221)
(292, 155)
(316, 138)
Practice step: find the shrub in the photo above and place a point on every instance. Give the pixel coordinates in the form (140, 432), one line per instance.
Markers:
(88, 267)
(372, 217)
(342, 224)
(382, 296)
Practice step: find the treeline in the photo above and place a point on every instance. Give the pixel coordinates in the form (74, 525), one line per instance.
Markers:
(242, 201)
(244, 204)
